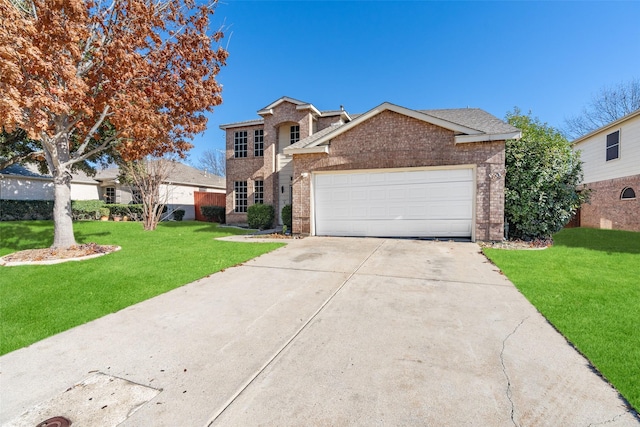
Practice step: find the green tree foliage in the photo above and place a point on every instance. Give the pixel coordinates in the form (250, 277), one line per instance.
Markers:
(542, 179)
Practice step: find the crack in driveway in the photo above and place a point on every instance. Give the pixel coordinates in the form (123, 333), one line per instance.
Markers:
(608, 421)
(504, 371)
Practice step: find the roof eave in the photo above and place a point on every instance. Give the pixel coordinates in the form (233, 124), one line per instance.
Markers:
(464, 139)
(308, 150)
(606, 127)
(241, 124)
(313, 109)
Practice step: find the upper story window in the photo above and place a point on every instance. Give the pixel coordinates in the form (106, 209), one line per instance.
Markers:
(258, 191)
(628, 194)
(240, 144)
(240, 196)
(258, 143)
(613, 145)
(295, 134)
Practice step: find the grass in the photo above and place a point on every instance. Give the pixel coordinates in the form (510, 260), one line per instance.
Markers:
(588, 286)
(40, 301)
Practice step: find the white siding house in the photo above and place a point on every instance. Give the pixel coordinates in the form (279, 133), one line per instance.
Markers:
(611, 165)
(19, 182)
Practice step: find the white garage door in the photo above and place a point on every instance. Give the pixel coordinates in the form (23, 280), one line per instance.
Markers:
(407, 203)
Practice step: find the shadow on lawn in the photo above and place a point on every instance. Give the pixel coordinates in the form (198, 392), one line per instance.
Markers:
(22, 235)
(18, 236)
(609, 241)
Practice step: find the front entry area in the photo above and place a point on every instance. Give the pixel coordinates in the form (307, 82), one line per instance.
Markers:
(413, 202)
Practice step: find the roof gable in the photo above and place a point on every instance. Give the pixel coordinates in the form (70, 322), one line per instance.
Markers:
(300, 105)
(474, 126)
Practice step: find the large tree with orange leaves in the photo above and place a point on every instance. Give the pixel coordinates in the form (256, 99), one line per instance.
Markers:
(88, 77)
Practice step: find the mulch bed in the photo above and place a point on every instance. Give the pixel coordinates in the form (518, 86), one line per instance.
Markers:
(518, 244)
(54, 254)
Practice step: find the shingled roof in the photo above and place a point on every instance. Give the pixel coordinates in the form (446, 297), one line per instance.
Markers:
(468, 124)
(474, 118)
(179, 174)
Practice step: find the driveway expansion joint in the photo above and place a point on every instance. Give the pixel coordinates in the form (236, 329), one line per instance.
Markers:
(504, 371)
(304, 326)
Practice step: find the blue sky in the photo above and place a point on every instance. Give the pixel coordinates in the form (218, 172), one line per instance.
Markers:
(548, 57)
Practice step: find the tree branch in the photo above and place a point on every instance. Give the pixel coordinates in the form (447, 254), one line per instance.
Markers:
(93, 130)
(20, 158)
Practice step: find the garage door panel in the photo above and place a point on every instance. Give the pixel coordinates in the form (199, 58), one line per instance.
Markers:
(400, 228)
(436, 203)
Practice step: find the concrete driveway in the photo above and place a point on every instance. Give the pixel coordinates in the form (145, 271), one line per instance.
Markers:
(323, 332)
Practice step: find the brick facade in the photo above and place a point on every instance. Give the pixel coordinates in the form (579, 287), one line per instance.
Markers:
(392, 140)
(385, 140)
(252, 168)
(607, 210)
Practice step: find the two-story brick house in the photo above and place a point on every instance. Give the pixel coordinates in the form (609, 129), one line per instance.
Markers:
(611, 165)
(391, 171)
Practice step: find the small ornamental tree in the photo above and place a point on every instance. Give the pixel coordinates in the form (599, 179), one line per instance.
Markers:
(82, 78)
(543, 174)
(147, 177)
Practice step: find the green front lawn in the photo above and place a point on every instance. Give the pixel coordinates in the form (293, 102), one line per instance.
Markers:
(40, 301)
(588, 286)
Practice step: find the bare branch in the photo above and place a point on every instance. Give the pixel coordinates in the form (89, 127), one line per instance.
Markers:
(608, 105)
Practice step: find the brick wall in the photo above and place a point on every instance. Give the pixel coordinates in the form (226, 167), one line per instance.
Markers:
(252, 168)
(392, 140)
(607, 210)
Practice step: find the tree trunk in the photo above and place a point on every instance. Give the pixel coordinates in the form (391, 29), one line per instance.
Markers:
(63, 225)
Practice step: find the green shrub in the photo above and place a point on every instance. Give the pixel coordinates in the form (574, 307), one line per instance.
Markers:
(86, 209)
(214, 213)
(178, 214)
(104, 212)
(20, 210)
(287, 216)
(260, 216)
(133, 211)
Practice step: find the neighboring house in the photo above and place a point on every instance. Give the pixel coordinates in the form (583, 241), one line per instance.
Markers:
(391, 171)
(25, 182)
(181, 190)
(611, 164)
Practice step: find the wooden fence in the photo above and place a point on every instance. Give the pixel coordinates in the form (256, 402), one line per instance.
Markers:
(201, 198)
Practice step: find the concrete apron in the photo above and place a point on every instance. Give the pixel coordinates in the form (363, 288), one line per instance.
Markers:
(326, 331)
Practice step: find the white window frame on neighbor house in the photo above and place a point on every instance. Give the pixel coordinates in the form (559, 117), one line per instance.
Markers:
(258, 191)
(240, 196)
(294, 134)
(258, 143)
(613, 142)
(240, 144)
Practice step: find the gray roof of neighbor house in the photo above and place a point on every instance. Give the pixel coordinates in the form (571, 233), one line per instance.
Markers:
(30, 170)
(179, 174)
